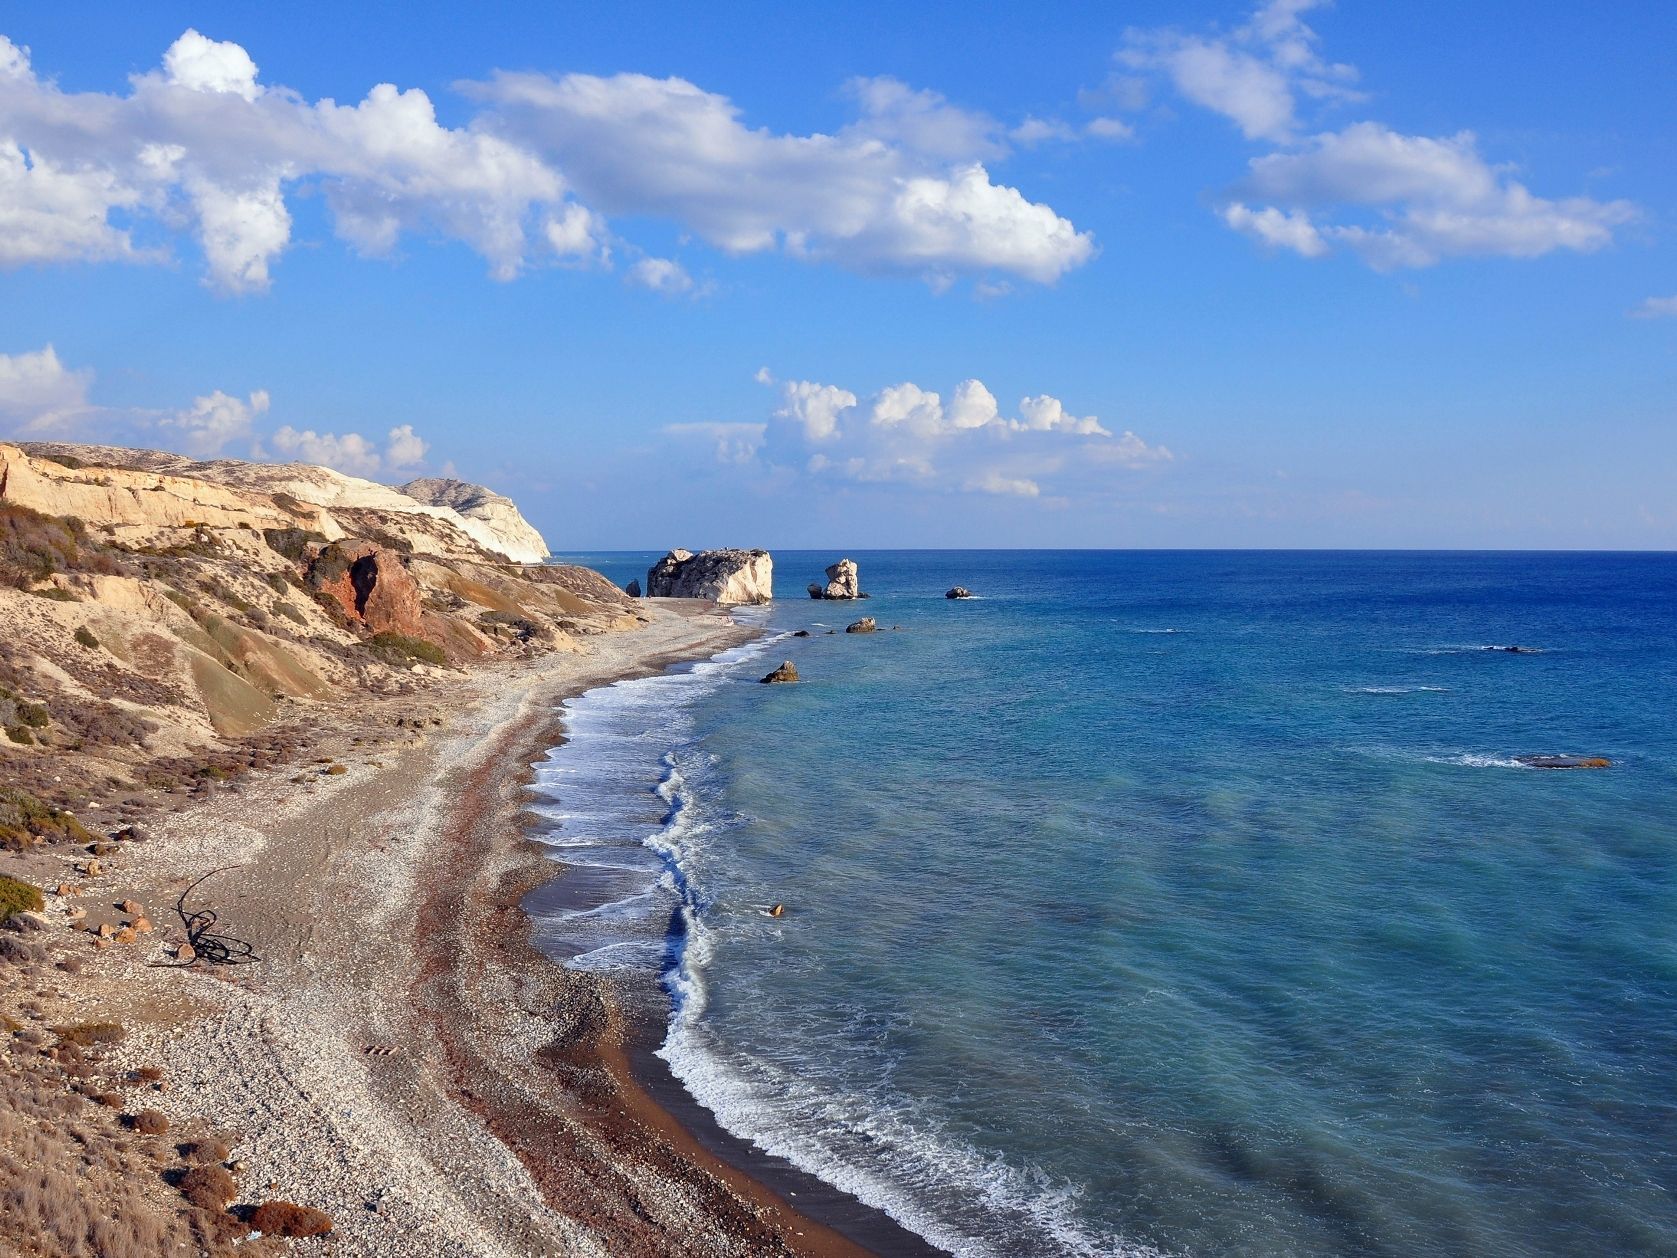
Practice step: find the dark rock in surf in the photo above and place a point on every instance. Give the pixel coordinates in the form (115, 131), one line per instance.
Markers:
(802, 633)
(960, 591)
(865, 625)
(787, 672)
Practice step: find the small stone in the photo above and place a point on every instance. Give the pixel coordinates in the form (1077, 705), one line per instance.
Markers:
(131, 907)
(186, 952)
(141, 925)
(105, 930)
(65, 889)
(126, 935)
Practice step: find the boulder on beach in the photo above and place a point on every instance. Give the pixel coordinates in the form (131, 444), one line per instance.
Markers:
(864, 625)
(633, 589)
(959, 591)
(727, 577)
(788, 671)
(1565, 762)
(843, 582)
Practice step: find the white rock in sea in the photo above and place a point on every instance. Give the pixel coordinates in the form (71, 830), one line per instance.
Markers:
(843, 582)
(728, 577)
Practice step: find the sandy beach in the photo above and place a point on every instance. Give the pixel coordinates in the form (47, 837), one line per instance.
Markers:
(401, 1057)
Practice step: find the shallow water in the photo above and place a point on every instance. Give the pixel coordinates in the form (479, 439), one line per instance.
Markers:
(1190, 902)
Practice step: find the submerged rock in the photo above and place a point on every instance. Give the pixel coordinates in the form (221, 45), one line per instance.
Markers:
(959, 591)
(728, 577)
(1516, 650)
(787, 672)
(864, 625)
(843, 582)
(1565, 762)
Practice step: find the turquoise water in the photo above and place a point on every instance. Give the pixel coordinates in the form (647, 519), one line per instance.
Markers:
(1175, 902)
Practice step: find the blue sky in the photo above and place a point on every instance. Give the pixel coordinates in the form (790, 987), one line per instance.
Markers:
(1288, 274)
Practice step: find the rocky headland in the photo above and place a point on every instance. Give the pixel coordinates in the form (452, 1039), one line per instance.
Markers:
(729, 578)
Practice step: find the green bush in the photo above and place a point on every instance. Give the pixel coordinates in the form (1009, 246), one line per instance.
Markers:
(34, 546)
(84, 635)
(399, 648)
(18, 897)
(34, 715)
(23, 817)
(57, 594)
(19, 735)
(292, 543)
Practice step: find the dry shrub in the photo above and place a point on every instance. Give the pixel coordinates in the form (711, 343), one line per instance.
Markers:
(211, 1150)
(14, 951)
(208, 1187)
(150, 1122)
(34, 546)
(87, 1034)
(148, 1074)
(17, 896)
(23, 818)
(283, 1218)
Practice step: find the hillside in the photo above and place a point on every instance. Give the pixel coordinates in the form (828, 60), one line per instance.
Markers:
(170, 622)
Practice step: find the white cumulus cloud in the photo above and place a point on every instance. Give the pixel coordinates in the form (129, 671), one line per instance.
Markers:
(1392, 199)
(351, 452)
(662, 275)
(908, 434)
(215, 421)
(900, 191)
(203, 144)
(38, 393)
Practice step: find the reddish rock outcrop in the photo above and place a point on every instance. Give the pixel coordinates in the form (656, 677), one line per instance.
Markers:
(371, 585)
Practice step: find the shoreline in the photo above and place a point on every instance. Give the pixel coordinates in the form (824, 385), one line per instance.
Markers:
(833, 1221)
(404, 1057)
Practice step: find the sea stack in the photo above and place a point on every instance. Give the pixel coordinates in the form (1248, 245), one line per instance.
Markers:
(787, 672)
(843, 582)
(633, 589)
(727, 577)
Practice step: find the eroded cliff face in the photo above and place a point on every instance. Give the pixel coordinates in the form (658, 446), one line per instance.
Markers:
(487, 515)
(428, 524)
(727, 577)
(149, 613)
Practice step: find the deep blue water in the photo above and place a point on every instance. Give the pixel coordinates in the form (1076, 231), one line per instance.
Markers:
(1190, 902)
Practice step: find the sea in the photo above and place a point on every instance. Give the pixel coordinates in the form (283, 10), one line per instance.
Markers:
(1167, 902)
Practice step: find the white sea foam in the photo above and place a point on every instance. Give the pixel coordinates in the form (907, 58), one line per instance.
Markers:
(1396, 690)
(1475, 760)
(876, 1147)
